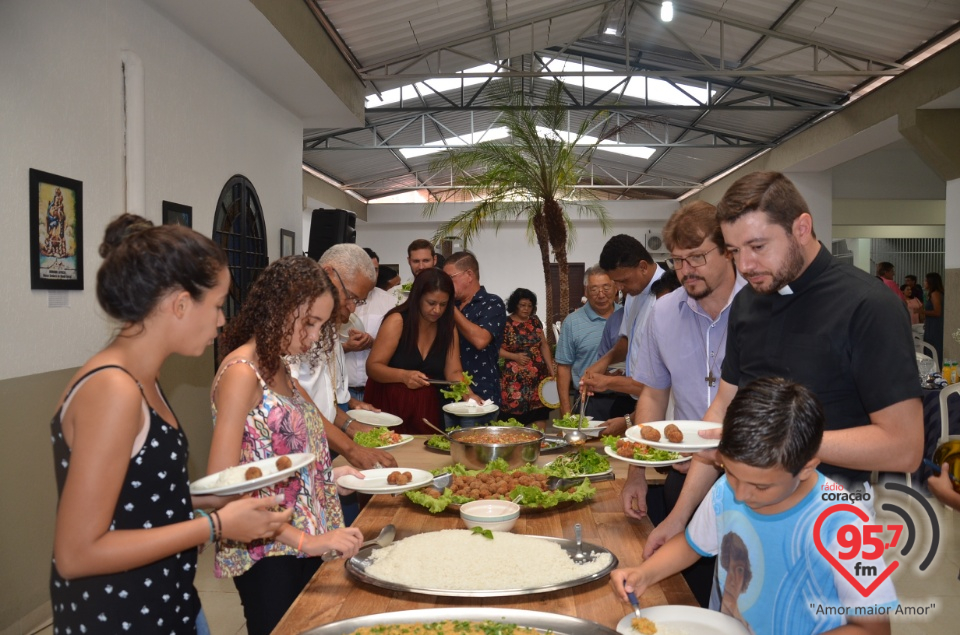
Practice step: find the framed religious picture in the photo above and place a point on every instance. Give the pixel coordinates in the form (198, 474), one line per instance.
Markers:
(177, 214)
(288, 242)
(56, 232)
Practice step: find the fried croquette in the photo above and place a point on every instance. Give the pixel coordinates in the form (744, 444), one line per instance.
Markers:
(673, 433)
(252, 473)
(283, 463)
(649, 433)
(399, 478)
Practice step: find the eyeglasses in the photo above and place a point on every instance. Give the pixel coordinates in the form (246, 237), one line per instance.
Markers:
(351, 296)
(606, 289)
(694, 260)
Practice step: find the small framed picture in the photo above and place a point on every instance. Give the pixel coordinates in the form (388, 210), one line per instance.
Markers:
(177, 214)
(56, 232)
(288, 242)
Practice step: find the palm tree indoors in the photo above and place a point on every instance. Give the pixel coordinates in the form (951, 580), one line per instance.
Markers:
(530, 175)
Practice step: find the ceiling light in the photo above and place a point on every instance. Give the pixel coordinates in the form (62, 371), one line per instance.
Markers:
(666, 11)
(610, 31)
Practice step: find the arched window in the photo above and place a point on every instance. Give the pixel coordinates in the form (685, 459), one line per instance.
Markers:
(238, 228)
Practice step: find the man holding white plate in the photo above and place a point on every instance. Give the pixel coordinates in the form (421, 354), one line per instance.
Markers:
(682, 350)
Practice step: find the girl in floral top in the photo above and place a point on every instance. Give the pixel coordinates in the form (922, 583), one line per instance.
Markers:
(260, 411)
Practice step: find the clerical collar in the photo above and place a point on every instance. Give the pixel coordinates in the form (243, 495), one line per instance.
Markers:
(785, 290)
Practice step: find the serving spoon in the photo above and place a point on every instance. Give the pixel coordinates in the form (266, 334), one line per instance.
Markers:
(576, 437)
(384, 538)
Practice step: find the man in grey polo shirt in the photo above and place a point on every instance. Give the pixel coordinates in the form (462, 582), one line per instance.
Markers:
(580, 339)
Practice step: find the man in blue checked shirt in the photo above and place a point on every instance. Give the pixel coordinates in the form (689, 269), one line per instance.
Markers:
(480, 317)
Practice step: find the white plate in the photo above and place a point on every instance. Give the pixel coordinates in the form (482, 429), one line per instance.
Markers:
(618, 366)
(354, 323)
(404, 439)
(376, 419)
(208, 484)
(461, 409)
(692, 620)
(613, 453)
(692, 442)
(375, 481)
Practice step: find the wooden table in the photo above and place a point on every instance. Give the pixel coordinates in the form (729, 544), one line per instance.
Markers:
(332, 595)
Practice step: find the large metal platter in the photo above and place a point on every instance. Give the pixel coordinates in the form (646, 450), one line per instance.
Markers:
(357, 567)
(545, 622)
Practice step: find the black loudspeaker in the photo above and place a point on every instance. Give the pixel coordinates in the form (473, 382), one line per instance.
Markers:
(329, 227)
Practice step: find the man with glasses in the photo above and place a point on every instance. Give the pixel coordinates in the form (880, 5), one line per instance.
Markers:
(480, 317)
(631, 266)
(324, 376)
(357, 349)
(682, 351)
(579, 341)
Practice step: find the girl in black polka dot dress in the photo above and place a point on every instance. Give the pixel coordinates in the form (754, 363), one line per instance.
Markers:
(125, 546)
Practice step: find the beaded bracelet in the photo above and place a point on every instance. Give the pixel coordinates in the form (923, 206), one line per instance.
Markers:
(203, 514)
(219, 533)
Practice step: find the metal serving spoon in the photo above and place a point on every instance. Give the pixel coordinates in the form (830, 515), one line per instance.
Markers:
(576, 437)
(580, 557)
(384, 538)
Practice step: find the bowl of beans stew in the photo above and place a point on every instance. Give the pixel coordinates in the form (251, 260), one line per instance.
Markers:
(476, 447)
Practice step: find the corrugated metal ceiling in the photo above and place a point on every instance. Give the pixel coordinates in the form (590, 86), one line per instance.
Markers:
(772, 67)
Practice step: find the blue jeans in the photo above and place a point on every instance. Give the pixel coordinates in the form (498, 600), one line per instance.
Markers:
(202, 627)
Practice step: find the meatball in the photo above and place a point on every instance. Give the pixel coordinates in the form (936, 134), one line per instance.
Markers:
(283, 463)
(252, 473)
(673, 433)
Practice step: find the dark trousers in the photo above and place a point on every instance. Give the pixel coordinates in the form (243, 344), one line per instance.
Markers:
(269, 588)
(660, 501)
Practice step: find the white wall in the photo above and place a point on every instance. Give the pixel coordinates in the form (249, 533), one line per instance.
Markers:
(60, 99)
(507, 259)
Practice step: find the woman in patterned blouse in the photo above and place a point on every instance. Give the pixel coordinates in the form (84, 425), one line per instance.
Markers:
(261, 411)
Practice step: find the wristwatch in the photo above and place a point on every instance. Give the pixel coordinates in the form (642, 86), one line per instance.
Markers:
(627, 419)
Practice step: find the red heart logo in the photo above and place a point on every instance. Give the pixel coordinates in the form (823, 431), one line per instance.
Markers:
(862, 515)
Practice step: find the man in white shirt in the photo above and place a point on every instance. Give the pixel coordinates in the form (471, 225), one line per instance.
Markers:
(371, 315)
(352, 274)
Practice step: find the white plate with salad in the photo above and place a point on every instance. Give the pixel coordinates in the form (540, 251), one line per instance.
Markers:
(656, 458)
(470, 408)
(381, 438)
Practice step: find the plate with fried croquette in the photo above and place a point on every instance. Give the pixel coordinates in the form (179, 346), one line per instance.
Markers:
(249, 477)
(674, 435)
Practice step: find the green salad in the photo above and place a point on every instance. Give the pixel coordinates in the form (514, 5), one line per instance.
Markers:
(406, 286)
(377, 438)
(641, 452)
(569, 421)
(460, 389)
(582, 462)
(440, 442)
(524, 495)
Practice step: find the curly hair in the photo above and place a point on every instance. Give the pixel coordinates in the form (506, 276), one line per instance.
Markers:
(271, 308)
(521, 294)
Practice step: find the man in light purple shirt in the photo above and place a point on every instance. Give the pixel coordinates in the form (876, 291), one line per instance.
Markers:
(682, 349)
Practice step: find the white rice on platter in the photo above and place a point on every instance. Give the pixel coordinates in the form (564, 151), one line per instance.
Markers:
(457, 559)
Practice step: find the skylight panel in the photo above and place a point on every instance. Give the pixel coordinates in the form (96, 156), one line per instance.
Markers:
(429, 86)
(607, 145)
(438, 146)
(660, 91)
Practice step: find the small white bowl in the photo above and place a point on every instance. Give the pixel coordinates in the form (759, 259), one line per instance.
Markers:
(495, 515)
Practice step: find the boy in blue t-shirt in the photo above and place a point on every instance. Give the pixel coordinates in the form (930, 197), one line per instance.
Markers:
(760, 519)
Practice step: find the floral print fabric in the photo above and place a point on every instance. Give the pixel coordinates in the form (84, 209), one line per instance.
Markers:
(282, 425)
(519, 382)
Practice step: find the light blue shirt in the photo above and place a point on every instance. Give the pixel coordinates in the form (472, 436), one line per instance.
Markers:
(636, 310)
(680, 347)
(579, 341)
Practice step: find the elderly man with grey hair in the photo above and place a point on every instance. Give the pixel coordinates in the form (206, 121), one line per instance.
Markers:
(324, 377)
(579, 341)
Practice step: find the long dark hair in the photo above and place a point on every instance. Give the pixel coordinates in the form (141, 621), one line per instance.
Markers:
(935, 282)
(427, 281)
